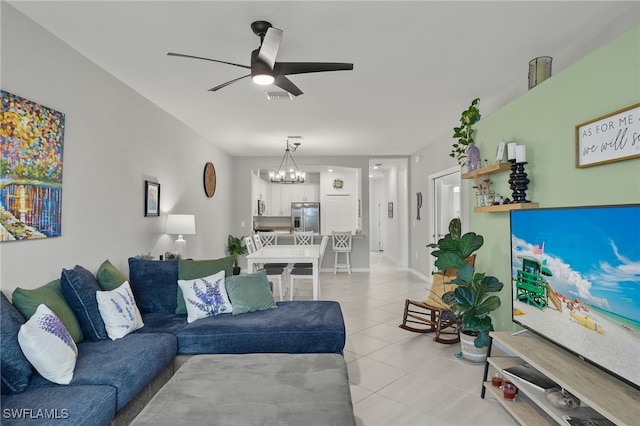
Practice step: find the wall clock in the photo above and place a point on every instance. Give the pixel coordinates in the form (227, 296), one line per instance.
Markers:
(209, 179)
(338, 183)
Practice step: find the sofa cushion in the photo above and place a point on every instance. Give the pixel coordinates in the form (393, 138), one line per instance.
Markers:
(154, 284)
(128, 364)
(109, 277)
(295, 327)
(27, 301)
(119, 311)
(48, 346)
(15, 370)
(205, 296)
(191, 269)
(158, 322)
(79, 287)
(250, 293)
(60, 405)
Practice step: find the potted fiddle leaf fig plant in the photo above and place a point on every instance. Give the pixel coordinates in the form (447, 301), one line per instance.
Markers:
(464, 136)
(235, 249)
(471, 301)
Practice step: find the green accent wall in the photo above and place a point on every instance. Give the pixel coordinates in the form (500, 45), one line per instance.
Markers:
(544, 120)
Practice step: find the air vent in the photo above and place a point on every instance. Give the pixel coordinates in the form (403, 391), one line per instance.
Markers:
(279, 96)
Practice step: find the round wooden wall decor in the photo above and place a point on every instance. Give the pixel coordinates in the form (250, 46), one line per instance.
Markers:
(209, 179)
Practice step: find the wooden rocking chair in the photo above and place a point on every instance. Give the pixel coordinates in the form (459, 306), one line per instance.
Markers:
(433, 315)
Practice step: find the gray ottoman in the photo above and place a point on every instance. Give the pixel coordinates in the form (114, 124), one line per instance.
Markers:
(254, 389)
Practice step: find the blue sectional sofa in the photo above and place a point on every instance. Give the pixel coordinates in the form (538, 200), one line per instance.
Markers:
(114, 379)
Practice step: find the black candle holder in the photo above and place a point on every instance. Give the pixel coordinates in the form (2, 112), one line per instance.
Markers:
(512, 180)
(520, 183)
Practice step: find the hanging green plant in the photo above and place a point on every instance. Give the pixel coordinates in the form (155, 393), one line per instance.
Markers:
(464, 133)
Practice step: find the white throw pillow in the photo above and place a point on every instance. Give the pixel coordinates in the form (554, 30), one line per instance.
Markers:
(205, 297)
(119, 311)
(48, 346)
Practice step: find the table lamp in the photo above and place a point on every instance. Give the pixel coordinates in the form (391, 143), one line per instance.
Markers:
(181, 224)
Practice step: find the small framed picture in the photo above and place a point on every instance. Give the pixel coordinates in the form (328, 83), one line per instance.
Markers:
(151, 198)
(390, 210)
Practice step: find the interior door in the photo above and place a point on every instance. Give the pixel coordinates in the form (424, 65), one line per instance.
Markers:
(445, 203)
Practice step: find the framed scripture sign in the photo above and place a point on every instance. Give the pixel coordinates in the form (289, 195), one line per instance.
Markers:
(612, 137)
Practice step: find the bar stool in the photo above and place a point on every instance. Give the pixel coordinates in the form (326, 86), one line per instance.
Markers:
(341, 242)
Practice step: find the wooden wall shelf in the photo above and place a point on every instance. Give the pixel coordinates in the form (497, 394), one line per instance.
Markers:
(494, 168)
(506, 207)
(497, 168)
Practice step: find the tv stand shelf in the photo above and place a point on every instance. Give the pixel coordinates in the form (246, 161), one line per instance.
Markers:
(608, 396)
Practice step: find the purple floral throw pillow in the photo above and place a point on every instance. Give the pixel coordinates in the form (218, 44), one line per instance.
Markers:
(119, 311)
(48, 346)
(205, 297)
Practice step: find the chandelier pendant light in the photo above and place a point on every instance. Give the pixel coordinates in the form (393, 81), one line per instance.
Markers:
(288, 171)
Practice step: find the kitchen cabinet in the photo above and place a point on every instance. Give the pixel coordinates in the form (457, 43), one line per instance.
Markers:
(305, 192)
(282, 195)
(280, 199)
(259, 191)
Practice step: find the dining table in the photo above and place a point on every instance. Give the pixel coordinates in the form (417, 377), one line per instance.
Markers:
(287, 253)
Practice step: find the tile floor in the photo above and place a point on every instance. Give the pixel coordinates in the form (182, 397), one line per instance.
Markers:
(399, 378)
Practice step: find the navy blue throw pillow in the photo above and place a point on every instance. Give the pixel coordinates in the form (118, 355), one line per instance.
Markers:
(79, 287)
(154, 284)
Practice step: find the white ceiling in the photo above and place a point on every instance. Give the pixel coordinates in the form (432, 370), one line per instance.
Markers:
(417, 64)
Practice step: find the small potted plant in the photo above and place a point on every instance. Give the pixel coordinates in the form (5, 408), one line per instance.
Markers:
(235, 249)
(464, 150)
(471, 301)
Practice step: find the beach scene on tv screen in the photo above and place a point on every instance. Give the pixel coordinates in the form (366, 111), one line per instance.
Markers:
(576, 281)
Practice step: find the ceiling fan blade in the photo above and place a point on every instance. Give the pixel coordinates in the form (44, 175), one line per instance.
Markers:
(270, 46)
(284, 83)
(287, 68)
(220, 86)
(207, 59)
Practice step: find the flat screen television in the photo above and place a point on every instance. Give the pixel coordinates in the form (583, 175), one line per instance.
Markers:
(576, 282)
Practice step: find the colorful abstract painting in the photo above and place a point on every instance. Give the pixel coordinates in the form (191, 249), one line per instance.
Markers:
(32, 139)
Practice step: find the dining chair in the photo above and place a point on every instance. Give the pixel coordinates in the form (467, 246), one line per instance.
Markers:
(257, 242)
(275, 271)
(268, 238)
(341, 242)
(303, 238)
(248, 242)
(299, 273)
(260, 241)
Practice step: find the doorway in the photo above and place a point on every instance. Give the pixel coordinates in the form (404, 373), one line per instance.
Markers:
(446, 199)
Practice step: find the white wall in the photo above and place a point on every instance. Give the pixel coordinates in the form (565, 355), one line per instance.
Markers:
(114, 140)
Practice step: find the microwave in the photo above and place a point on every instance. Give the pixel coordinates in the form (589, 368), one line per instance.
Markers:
(261, 208)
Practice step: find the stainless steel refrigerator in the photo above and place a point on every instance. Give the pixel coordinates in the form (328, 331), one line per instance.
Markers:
(305, 217)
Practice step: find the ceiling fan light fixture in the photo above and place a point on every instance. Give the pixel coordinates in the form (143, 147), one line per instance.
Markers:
(263, 79)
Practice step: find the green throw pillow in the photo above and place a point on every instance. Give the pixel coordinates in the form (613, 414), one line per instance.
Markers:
(27, 301)
(249, 293)
(109, 277)
(192, 269)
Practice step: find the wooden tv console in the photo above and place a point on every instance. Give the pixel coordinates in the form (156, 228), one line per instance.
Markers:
(608, 396)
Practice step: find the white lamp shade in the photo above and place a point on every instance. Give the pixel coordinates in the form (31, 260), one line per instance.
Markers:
(181, 224)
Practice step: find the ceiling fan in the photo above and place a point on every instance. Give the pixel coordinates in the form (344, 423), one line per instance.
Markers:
(264, 68)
